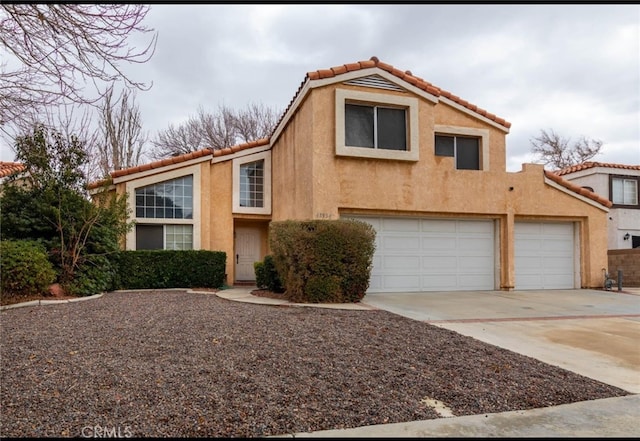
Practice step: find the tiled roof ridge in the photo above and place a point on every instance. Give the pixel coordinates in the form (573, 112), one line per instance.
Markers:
(406, 76)
(578, 189)
(182, 158)
(591, 164)
(8, 168)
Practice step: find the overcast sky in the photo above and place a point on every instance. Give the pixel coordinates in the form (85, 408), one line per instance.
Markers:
(573, 69)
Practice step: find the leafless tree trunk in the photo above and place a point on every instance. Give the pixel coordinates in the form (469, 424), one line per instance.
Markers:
(224, 128)
(122, 141)
(555, 150)
(53, 51)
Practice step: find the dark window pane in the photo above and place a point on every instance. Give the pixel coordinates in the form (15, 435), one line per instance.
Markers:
(444, 145)
(149, 237)
(392, 129)
(358, 126)
(467, 154)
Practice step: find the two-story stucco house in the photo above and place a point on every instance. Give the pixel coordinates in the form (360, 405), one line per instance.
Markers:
(369, 141)
(619, 183)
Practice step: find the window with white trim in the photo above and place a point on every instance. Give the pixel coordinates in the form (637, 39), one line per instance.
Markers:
(252, 184)
(251, 192)
(376, 125)
(465, 150)
(172, 199)
(164, 237)
(624, 190)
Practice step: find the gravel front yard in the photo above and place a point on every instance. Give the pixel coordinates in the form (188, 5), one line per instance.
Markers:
(177, 364)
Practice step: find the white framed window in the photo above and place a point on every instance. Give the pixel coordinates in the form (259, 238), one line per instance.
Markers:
(164, 237)
(166, 210)
(468, 146)
(252, 184)
(374, 125)
(624, 191)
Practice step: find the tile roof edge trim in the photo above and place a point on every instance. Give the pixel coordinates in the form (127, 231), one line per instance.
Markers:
(592, 165)
(161, 169)
(241, 153)
(590, 201)
(300, 96)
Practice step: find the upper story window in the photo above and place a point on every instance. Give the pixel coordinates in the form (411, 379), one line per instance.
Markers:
(376, 125)
(465, 150)
(251, 192)
(171, 199)
(252, 184)
(624, 190)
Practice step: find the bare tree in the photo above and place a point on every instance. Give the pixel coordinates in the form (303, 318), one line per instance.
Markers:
(557, 151)
(255, 122)
(224, 128)
(53, 51)
(122, 140)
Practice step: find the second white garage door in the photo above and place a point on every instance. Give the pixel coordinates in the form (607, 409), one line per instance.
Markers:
(544, 255)
(432, 255)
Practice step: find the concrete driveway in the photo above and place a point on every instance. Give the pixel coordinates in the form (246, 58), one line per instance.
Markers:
(591, 332)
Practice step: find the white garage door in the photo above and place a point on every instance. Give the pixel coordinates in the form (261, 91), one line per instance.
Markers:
(544, 255)
(432, 255)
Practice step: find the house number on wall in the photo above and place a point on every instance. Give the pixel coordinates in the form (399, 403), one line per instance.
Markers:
(323, 215)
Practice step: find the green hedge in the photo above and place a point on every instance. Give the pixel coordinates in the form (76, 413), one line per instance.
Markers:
(160, 269)
(267, 275)
(323, 261)
(25, 268)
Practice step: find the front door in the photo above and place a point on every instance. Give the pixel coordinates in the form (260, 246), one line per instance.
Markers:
(247, 252)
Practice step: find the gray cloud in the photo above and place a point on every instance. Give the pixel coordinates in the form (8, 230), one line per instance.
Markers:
(573, 68)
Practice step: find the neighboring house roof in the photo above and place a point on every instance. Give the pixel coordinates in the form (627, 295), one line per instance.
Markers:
(587, 165)
(578, 189)
(10, 168)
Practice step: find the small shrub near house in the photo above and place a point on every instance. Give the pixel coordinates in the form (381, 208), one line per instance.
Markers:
(267, 275)
(159, 269)
(26, 269)
(323, 261)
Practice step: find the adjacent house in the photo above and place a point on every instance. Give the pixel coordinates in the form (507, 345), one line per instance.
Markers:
(10, 169)
(372, 142)
(619, 183)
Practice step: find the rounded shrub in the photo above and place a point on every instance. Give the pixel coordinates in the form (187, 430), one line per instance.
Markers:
(25, 268)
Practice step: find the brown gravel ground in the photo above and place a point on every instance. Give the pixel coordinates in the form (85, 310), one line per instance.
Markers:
(178, 364)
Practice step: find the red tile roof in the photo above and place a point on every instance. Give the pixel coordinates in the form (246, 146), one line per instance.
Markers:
(588, 165)
(10, 168)
(318, 74)
(578, 189)
(405, 76)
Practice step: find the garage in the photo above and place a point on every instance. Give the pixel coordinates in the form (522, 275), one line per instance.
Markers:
(544, 255)
(415, 255)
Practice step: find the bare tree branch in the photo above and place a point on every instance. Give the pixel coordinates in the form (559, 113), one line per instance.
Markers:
(52, 52)
(224, 128)
(557, 151)
(122, 141)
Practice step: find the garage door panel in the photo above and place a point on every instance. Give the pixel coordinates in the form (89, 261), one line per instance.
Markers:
(432, 254)
(402, 283)
(437, 226)
(439, 265)
(401, 225)
(446, 244)
(400, 243)
(400, 262)
(544, 255)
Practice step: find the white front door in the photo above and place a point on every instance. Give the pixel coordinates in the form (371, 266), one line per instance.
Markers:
(247, 252)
